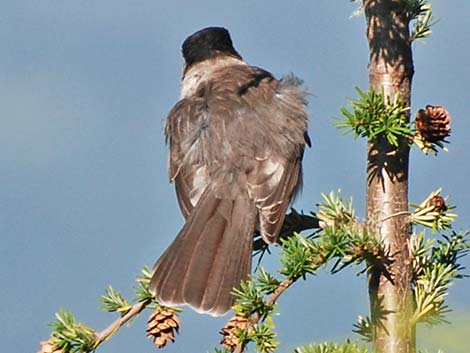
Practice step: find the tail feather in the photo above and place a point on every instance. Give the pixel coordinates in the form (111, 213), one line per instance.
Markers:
(210, 256)
(236, 265)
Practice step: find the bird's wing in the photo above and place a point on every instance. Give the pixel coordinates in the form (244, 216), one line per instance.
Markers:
(261, 126)
(272, 186)
(184, 124)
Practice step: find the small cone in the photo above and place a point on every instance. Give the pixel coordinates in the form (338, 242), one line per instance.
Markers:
(162, 325)
(230, 330)
(438, 202)
(48, 347)
(433, 123)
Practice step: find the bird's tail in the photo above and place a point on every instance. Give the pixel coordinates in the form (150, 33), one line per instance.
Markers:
(210, 256)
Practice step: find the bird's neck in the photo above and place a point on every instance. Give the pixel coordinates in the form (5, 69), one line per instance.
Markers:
(201, 72)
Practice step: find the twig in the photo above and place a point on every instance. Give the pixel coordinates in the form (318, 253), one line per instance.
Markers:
(281, 288)
(401, 213)
(118, 323)
(293, 223)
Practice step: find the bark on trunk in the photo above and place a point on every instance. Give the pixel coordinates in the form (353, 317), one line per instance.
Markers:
(390, 71)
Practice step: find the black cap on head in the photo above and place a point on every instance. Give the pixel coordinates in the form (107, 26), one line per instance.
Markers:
(208, 43)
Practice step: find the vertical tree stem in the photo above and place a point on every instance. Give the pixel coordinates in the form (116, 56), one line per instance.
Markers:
(390, 72)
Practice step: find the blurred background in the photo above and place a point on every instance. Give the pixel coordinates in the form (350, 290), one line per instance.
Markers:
(85, 202)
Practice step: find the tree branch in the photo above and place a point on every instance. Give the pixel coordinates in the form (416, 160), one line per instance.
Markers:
(118, 323)
(272, 298)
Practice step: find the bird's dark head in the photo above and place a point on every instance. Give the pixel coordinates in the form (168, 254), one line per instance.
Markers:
(206, 44)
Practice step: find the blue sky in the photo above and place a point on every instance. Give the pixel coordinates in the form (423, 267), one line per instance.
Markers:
(85, 201)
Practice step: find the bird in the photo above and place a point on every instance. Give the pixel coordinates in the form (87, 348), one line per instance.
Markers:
(236, 140)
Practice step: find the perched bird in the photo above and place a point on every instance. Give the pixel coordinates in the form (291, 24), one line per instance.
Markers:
(236, 140)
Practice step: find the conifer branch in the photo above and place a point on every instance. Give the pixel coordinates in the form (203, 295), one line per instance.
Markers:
(135, 310)
(270, 301)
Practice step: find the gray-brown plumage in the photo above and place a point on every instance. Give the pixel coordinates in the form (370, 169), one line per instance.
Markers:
(236, 142)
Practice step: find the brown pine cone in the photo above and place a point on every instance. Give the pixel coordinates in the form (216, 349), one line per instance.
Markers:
(433, 123)
(438, 202)
(162, 325)
(230, 330)
(48, 347)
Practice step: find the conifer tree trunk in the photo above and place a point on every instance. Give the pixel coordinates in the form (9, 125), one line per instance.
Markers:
(390, 71)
